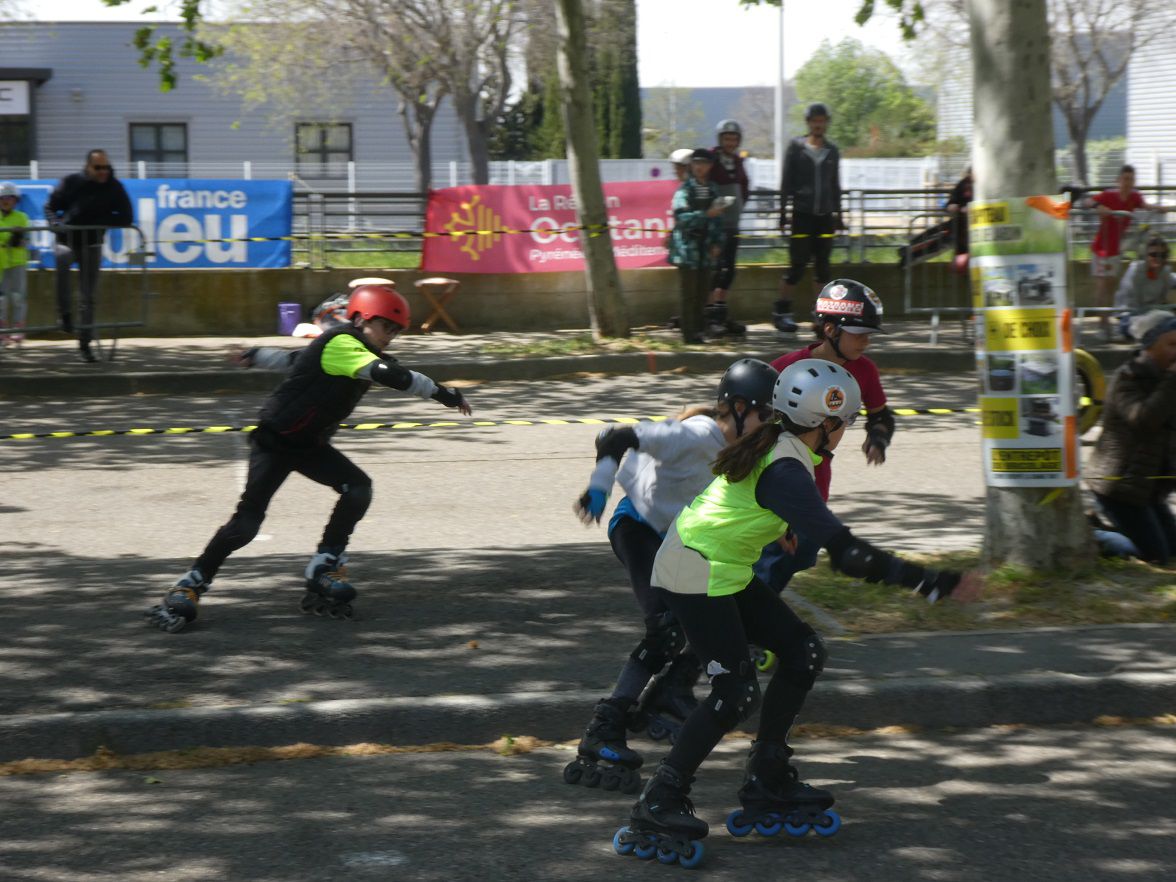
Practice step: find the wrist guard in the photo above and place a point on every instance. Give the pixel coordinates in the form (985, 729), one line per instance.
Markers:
(448, 397)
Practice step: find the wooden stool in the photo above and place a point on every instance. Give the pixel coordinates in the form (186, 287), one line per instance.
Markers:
(438, 292)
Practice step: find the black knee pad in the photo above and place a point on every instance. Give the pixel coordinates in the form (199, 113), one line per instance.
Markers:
(357, 497)
(664, 639)
(815, 653)
(802, 667)
(734, 695)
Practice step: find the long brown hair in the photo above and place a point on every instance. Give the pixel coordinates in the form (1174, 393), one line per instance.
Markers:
(736, 460)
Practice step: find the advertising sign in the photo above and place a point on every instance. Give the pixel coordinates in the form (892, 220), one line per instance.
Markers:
(190, 223)
(1024, 348)
(533, 229)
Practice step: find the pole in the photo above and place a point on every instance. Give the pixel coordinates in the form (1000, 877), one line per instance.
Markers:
(780, 108)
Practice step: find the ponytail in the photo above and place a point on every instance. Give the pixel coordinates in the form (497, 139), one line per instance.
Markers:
(735, 461)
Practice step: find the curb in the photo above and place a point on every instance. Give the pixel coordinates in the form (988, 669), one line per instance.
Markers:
(965, 702)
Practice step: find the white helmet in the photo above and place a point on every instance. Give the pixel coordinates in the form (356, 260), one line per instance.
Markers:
(681, 156)
(7, 188)
(809, 390)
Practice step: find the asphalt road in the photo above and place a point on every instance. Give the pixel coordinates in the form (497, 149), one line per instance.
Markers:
(1046, 805)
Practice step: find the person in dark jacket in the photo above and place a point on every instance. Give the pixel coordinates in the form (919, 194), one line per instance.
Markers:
(1131, 472)
(293, 434)
(696, 242)
(93, 197)
(811, 188)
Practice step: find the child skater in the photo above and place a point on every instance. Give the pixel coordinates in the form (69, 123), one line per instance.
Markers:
(669, 466)
(764, 485)
(846, 314)
(293, 434)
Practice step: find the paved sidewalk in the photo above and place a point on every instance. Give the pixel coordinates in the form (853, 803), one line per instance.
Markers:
(173, 365)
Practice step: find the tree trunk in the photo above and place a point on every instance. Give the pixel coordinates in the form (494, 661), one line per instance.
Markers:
(606, 305)
(1013, 155)
(466, 106)
(418, 127)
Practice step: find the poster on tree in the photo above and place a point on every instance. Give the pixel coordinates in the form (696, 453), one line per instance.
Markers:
(1024, 347)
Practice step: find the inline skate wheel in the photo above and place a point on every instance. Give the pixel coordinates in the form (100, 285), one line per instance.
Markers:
(646, 851)
(621, 848)
(828, 824)
(694, 858)
(591, 777)
(658, 732)
(769, 826)
(346, 611)
(737, 824)
(795, 829)
(667, 856)
(765, 660)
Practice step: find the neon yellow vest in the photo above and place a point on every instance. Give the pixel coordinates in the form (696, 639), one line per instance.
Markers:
(13, 256)
(729, 528)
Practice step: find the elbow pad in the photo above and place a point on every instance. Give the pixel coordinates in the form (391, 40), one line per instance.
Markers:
(394, 375)
(615, 440)
(880, 427)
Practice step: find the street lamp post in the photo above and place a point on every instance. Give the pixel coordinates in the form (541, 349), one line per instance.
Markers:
(780, 108)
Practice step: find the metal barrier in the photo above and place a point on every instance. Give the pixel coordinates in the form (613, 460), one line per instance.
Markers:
(121, 287)
(917, 299)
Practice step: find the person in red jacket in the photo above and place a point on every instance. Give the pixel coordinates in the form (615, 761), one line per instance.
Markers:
(324, 385)
(846, 315)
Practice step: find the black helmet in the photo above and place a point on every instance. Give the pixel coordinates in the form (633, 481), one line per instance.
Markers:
(851, 306)
(816, 109)
(749, 379)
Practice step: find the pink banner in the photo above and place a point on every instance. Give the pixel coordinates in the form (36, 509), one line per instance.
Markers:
(532, 229)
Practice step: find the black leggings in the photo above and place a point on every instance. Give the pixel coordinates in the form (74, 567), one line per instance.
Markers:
(268, 469)
(725, 272)
(635, 545)
(719, 629)
(811, 238)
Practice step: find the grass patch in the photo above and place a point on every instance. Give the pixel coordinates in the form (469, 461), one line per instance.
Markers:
(1110, 592)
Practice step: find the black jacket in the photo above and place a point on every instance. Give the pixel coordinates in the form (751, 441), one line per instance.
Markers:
(811, 189)
(83, 201)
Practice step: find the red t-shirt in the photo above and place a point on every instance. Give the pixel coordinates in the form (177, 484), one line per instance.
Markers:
(861, 369)
(1110, 229)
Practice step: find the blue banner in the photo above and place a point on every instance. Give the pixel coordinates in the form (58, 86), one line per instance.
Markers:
(189, 223)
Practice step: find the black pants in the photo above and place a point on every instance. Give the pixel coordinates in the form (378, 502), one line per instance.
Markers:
(719, 629)
(268, 469)
(725, 272)
(1151, 527)
(635, 545)
(694, 286)
(811, 238)
(86, 251)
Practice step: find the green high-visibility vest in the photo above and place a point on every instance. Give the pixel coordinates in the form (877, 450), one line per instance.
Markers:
(713, 543)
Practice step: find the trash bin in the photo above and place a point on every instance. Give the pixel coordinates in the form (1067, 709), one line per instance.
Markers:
(289, 315)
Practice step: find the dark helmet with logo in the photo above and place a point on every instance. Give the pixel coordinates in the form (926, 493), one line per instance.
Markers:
(849, 305)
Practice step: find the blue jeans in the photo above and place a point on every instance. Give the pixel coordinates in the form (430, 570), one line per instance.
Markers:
(1152, 528)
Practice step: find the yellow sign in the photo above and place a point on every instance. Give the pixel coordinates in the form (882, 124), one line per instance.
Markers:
(1020, 330)
(998, 417)
(1027, 459)
(481, 221)
(988, 214)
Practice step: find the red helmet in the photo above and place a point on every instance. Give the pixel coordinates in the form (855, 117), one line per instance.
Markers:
(378, 301)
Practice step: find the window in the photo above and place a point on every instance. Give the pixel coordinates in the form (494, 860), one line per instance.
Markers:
(322, 150)
(159, 143)
(16, 137)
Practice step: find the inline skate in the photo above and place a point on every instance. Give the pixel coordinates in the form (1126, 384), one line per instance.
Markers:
(603, 758)
(782, 318)
(662, 823)
(774, 798)
(668, 700)
(717, 324)
(326, 592)
(180, 605)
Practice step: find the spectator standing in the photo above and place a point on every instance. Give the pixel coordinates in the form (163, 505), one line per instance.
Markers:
(1145, 285)
(729, 178)
(957, 207)
(93, 197)
(1114, 206)
(14, 258)
(1135, 457)
(681, 160)
(696, 242)
(811, 188)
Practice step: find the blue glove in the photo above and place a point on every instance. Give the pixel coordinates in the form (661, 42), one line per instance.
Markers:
(592, 504)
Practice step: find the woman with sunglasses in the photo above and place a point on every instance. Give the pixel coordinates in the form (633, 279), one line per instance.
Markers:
(1145, 285)
(764, 486)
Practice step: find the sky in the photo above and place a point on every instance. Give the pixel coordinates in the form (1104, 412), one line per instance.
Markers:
(739, 46)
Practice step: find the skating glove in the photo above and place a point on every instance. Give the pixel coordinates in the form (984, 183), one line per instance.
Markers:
(591, 505)
(449, 397)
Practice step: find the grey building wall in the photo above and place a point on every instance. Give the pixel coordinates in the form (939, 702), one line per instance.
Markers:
(98, 89)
